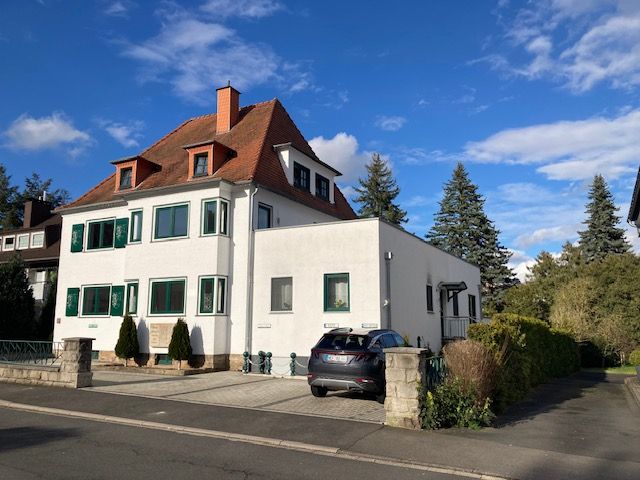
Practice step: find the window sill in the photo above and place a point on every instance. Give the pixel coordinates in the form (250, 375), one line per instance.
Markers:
(211, 314)
(168, 239)
(281, 312)
(156, 315)
(337, 311)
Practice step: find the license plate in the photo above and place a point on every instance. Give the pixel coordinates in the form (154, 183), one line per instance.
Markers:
(336, 358)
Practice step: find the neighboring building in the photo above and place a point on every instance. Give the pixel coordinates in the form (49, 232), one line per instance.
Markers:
(38, 243)
(232, 222)
(634, 208)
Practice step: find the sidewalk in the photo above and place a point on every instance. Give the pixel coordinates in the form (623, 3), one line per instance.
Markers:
(581, 427)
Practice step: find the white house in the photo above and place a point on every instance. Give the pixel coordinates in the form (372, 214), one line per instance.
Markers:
(233, 223)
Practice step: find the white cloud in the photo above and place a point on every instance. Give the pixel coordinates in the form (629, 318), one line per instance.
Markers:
(520, 263)
(567, 150)
(29, 133)
(118, 8)
(390, 124)
(598, 42)
(242, 8)
(127, 135)
(419, 201)
(195, 54)
(342, 152)
(558, 233)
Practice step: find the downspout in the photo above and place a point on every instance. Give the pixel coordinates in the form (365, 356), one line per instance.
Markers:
(248, 333)
(387, 303)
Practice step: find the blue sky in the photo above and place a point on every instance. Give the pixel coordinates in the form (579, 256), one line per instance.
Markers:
(534, 97)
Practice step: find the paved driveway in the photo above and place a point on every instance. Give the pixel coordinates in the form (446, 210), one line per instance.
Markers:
(248, 391)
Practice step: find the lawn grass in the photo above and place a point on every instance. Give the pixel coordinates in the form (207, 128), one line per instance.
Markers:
(624, 370)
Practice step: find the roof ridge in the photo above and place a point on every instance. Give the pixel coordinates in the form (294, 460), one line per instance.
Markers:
(263, 140)
(164, 137)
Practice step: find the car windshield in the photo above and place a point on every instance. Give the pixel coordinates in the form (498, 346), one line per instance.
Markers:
(344, 342)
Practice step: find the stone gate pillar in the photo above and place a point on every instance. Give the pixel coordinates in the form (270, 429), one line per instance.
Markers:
(76, 362)
(405, 375)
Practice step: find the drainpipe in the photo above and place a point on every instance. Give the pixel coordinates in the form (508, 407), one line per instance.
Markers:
(387, 303)
(248, 333)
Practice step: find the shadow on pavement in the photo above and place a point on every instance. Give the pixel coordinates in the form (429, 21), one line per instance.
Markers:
(550, 396)
(25, 437)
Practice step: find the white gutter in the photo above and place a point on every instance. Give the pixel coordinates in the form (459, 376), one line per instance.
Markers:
(248, 333)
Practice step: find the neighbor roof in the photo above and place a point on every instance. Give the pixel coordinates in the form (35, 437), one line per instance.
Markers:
(258, 129)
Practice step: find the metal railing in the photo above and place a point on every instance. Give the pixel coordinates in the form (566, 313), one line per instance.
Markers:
(456, 327)
(25, 352)
(435, 373)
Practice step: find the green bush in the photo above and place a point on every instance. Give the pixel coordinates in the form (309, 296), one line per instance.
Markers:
(535, 353)
(180, 344)
(454, 404)
(634, 358)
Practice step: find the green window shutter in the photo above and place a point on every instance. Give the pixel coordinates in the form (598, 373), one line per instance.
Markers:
(117, 301)
(77, 235)
(122, 225)
(73, 296)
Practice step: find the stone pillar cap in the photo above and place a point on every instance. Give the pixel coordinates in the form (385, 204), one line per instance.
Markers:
(405, 350)
(78, 338)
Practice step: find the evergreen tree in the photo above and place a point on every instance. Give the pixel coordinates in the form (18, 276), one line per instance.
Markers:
(378, 191)
(9, 201)
(602, 236)
(180, 345)
(127, 345)
(34, 187)
(462, 228)
(17, 317)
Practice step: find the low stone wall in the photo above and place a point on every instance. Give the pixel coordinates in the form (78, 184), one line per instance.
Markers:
(405, 372)
(74, 370)
(209, 363)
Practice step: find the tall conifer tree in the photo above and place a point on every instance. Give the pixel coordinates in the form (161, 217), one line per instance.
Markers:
(462, 228)
(378, 191)
(602, 235)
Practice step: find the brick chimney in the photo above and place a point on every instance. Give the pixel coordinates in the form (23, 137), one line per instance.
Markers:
(35, 212)
(228, 108)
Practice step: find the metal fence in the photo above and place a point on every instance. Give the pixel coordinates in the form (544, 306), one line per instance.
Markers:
(436, 372)
(30, 352)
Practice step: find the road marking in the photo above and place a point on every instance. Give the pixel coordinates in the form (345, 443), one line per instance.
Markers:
(254, 440)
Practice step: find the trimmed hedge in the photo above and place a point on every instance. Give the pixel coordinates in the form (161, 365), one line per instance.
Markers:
(535, 354)
(634, 358)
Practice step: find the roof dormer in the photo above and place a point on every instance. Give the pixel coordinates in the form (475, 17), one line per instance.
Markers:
(131, 172)
(205, 158)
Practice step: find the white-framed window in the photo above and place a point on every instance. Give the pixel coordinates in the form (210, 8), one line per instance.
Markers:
(9, 243)
(167, 296)
(171, 221)
(101, 234)
(135, 226)
(37, 240)
(212, 295)
(96, 300)
(131, 297)
(215, 217)
(23, 241)
(336, 292)
(282, 294)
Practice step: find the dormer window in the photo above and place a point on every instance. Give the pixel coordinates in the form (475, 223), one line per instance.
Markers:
(200, 164)
(126, 175)
(301, 177)
(322, 187)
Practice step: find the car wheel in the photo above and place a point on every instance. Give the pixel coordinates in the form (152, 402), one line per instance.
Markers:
(380, 397)
(318, 391)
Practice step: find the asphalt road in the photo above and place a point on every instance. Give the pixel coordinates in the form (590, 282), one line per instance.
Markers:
(37, 446)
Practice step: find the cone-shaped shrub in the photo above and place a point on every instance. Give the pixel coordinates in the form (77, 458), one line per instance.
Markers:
(127, 345)
(180, 345)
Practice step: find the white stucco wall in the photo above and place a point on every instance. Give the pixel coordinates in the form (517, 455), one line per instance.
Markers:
(288, 155)
(306, 253)
(415, 264)
(188, 258)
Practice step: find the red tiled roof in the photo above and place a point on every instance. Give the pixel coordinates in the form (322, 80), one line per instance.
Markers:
(259, 128)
